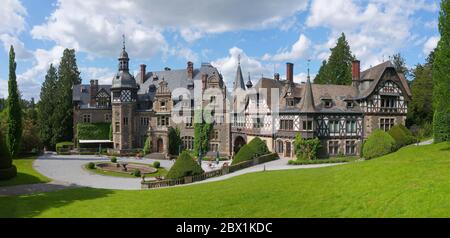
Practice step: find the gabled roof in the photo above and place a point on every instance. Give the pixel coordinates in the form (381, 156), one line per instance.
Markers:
(376, 73)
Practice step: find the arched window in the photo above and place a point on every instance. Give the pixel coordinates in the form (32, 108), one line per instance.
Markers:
(280, 146)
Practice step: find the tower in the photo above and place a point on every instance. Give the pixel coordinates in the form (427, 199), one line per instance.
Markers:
(124, 94)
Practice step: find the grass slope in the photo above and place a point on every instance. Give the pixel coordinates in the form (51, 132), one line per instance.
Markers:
(25, 173)
(413, 182)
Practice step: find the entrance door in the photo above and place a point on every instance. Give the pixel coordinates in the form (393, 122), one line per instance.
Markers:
(160, 145)
(288, 149)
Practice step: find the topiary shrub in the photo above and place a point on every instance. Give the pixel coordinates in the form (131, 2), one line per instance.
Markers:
(91, 165)
(255, 148)
(114, 159)
(379, 143)
(184, 166)
(148, 146)
(137, 173)
(401, 135)
(156, 164)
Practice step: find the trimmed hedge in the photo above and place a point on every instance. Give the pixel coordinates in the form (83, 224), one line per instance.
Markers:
(93, 131)
(322, 161)
(156, 164)
(255, 148)
(64, 146)
(379, 143)
(401, 135)
(184, 166)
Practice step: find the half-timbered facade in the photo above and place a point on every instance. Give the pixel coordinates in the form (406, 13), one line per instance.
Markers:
(340, 116)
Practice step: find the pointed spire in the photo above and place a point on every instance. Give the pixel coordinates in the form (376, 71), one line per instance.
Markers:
(308, 98)
(123, 41)
(249, 82)
(239, 79)
(308, 69)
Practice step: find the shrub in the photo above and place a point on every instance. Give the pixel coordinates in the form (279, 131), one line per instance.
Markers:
(255, 148)
(113, 159)
(322, 161)
(156, 164)
(137, 173)
(306, 149)
(401, 135)
(91, 165)
(148, 146)
(184, 166)
(93, 131)
(379, 143)
(64, 146)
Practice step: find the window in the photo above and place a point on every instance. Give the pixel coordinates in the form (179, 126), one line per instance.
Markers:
(307, 125)
(163, 121)
(215, 135)
(163, 104)
(350, 126)
(125, 121)
(333, 147)
(144, 121)
(290, 102)
(388, 103)
(214, 147)
(189, 122)
(327, 103)
(117, 127)
(280, 146)
(386, 123)
(108, 118)
(350, 147)
(333, 126)
(103, 102)
(350, 104)
(212, 99)
(287, 125)
(87, 118)
(188, 142)
(257, 123)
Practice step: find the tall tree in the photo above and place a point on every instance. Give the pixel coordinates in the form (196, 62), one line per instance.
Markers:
(338, 69)
(47, 107)
(68, 75)
(420, 109)
(14, 110)
(400, 64)
(441, 78)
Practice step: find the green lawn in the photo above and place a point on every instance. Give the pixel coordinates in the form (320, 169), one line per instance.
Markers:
(25, 173)
(413, 182)
(161, 172)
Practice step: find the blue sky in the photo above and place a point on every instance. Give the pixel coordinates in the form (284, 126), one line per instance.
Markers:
(266, 34)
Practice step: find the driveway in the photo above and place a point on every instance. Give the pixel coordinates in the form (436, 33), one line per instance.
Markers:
(69, 169)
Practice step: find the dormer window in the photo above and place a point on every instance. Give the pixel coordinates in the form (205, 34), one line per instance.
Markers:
(327, 103)
(350, 104)
(290, 102)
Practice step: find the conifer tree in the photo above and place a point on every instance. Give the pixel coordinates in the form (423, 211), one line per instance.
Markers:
(338, 68)
(68, 75)
(47, 107)
(400, 64)
(441, 78)
(14, 113)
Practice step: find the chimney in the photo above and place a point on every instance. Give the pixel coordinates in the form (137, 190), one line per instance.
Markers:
(204, 80)
(93, 89)
(356, 73)
(290, 72)
(143, 73)
(276, 76)
(190, 70)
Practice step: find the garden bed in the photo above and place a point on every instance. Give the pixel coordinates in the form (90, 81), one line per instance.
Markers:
(111, 169)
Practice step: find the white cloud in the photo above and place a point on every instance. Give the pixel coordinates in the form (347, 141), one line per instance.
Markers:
(228, 65)
(430, 44)
(103, 75)
(96, 28)
(379, 28)
(298, 50)
(29, 82)
(3, 88)
(12, 15)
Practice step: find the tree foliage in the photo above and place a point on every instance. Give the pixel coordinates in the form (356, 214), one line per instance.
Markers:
(401, 135)
(148, 146)
(306, 149)
(400, 64)
(338, 68)
(46, 107)
(174, 141)
(441, 78)
(14, 110)
(68, 75)
(93, 131)
(379, 143)
(184, 166)
(202, 132)
(255, 148)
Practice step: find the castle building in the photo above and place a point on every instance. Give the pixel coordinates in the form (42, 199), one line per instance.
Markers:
(273, 109)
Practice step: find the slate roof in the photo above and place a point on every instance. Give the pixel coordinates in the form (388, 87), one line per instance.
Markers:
(80, 93)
